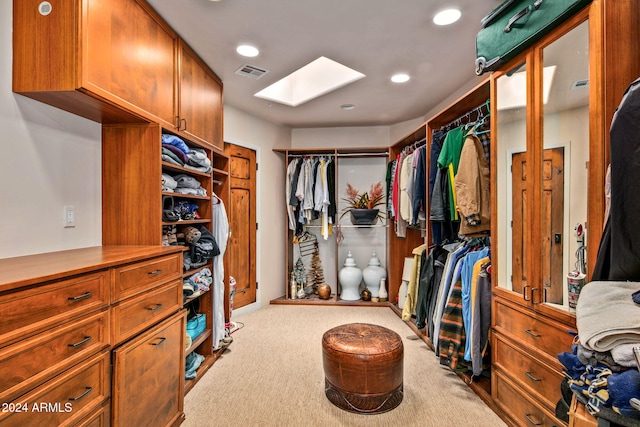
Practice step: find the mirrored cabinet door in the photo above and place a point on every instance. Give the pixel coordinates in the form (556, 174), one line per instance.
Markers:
(565, 157)
(511, 182)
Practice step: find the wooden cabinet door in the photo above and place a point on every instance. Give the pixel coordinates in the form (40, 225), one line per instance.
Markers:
(130, 53)
(200, 99)
(111, 61)
(148, 376)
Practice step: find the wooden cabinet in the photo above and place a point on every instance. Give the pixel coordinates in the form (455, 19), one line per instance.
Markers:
(124, 199)
(552, 108)
(66, 398)
(64, 313)
(25, 365)
(159, 384)
(115, 61)
(200, 106)
(109, 61)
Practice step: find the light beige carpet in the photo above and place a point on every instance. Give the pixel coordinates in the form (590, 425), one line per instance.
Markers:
(272, 375)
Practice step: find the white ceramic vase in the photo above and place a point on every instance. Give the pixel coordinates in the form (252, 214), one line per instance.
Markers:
(350, 277)
(372, 275)
(382, 293)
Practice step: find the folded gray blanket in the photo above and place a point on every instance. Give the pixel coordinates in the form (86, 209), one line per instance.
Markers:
(606, 315)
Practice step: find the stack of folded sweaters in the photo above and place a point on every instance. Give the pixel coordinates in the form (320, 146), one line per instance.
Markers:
(601, 368)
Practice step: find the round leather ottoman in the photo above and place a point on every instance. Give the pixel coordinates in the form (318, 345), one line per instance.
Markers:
(363, 368)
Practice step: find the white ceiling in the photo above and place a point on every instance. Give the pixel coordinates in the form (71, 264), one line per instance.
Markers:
(376, 37)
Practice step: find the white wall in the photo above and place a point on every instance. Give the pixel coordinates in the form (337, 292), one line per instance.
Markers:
(49, 158)
(249, 131)
(365, 136)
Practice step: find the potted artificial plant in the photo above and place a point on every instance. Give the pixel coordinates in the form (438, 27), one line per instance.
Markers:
(362, 207)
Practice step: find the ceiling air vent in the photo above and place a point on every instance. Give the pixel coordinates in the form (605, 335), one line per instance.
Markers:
(579, 84)
(251, 71)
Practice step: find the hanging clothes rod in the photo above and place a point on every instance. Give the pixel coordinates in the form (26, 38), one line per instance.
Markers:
(468, 114)
(378, 154)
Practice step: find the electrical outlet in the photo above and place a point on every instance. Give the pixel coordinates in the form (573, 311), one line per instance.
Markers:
(69, 216)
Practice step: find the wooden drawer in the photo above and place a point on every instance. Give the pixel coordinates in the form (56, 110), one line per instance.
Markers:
(135, 314)
(579, 416)
(159, 384)
(516, 405)
(65, 399)
(29, 311)
(101, 417)
(35, 360)
(134, 279)
(533, 330)
(540, 380)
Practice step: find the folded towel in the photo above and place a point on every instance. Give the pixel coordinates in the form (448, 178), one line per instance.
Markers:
(606, 315)
(623, 355)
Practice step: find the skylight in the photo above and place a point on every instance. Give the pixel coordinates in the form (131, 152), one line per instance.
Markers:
(317, 78)
(513, 96)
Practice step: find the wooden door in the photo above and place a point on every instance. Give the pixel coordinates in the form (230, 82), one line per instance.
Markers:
(519, 223)
(200, 99)
(552, 223)
(242, 223)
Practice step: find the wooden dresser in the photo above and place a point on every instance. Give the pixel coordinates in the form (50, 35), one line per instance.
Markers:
(83, 331)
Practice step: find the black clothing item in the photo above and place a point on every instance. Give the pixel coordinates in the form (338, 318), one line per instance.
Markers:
(622, 250)
(437, 139)
(431, 268)
(331, 184)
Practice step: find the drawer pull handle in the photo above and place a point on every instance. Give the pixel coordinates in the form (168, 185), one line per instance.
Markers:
(155, 272)
(533, 334)
(80, 297)
(160, 341)
(531, 420)
(87, 390)
(531, 377)
(156, 308)
(80, 343)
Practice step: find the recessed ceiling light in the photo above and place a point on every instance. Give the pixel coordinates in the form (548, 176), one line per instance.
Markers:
(400, 78)
(347, 106)
(447, 17)
(247, 50)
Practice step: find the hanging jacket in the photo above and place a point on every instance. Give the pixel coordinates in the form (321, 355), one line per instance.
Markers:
(430, 273)
(472, 188)
(620, 244)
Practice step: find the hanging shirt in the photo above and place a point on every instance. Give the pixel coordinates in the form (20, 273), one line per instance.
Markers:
(406, 182)
(221, 234)
(467, 277)
(291, 169)
(308, 202)
(449, 159)
(409, 308)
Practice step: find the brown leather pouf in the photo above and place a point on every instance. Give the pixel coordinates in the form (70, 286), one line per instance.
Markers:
(363, 368)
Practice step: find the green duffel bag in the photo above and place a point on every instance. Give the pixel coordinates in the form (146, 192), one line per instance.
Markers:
(517, 24)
